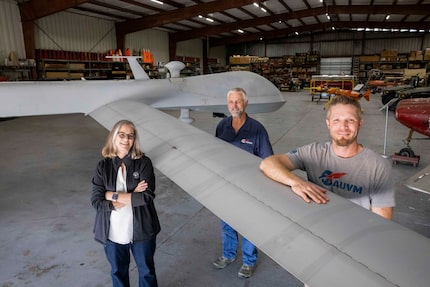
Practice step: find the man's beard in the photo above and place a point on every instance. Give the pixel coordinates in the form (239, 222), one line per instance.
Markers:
(236, 113)
(344, 141)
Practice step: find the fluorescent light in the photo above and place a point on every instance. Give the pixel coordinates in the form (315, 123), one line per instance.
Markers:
(200, 16)
(256, 4)
(240, 31)
(297, 33)
(264, 10)
(387, 17)
(209, 19)
(158, 2)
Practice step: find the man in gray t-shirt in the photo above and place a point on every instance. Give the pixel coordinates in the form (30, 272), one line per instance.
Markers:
(342, 166)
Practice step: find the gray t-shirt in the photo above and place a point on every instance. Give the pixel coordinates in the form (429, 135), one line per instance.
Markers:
(365, 179)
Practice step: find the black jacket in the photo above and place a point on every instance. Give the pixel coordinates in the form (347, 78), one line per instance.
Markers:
(145, 220)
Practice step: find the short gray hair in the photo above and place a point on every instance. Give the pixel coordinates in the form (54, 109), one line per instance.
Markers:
(238, 90)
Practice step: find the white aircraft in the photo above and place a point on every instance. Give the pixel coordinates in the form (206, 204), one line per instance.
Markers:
(420, 181)
(337, 244)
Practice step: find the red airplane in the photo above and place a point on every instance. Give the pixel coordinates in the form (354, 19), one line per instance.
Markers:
(414, 114)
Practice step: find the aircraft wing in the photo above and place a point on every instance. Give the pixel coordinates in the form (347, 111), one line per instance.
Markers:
(420, 181)
(204, 92)
(337, 244)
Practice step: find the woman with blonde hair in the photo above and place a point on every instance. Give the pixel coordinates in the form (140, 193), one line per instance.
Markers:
(123, 196)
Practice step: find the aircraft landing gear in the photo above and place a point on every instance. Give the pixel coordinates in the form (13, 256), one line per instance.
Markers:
(406, 155)
(407, 151)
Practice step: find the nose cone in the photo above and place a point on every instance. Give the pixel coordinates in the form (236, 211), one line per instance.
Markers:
(414, 114)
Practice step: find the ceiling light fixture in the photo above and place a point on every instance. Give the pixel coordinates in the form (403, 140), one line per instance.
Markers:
(264, 10)
(209, 19)
(256, 4)
(158, 2)
(387, 17)
(297, 33)
(240, 31)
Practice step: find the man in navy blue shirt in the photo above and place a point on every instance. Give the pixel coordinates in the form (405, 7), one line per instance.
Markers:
(250, 135)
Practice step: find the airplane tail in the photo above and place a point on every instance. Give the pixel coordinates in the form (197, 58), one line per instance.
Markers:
(366, 95)
(136, 68)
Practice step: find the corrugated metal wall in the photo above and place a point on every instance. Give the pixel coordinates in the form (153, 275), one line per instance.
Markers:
(154, 40)
(11, 37)
(72, 32)
(401, 43)
(341, 44)
(191, 48)
(279, 50)
(336, 66)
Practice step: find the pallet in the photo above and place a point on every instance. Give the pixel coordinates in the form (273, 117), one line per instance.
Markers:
(406, 159)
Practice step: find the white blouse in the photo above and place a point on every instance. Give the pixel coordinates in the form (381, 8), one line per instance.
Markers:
(121, 220)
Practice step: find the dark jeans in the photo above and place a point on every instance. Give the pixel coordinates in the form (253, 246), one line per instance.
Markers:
(118, 256)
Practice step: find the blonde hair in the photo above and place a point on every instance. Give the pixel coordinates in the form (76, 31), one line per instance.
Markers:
(345, 100)
(109, 149)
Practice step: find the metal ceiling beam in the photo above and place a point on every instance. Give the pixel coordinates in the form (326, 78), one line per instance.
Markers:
(340, 9)
(283, 33)
(178, 15)
(35, 9)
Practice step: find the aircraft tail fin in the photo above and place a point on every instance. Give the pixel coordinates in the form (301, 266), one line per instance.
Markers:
(137, 70)
(366, 95)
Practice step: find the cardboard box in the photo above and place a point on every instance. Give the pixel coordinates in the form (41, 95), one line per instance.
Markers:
(55, 66)
(76, 76)
(426, 55)
(56, 75)
(240, 60)
(414, 72)
(374, 58)
(388, 59)
(389, 53)
(76, 66)
(63, 75)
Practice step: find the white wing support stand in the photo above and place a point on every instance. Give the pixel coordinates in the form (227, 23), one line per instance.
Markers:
(175, 68)
(185, 116)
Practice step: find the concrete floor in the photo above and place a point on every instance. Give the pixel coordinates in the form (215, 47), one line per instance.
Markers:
(46, 217)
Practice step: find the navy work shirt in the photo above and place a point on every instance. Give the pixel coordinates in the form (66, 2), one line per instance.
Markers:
(251, 137)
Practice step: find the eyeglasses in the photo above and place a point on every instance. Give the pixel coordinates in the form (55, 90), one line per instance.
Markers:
(128, 136)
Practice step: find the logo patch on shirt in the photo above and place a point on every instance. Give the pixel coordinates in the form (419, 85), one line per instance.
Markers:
(330, 178)
(246, 141)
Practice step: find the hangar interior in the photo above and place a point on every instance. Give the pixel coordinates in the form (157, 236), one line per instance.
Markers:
(303, 47)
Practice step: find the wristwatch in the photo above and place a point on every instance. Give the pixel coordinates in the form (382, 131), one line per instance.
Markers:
(115, 196)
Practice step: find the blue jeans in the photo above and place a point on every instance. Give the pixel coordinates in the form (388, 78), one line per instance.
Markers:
(230, 243)
(118, 256)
